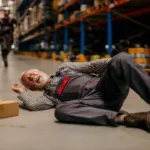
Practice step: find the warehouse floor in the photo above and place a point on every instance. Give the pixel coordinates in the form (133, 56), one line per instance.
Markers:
(39, 131)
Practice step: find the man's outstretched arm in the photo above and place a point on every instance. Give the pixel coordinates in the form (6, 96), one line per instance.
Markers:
(32, 103)
(96, 67)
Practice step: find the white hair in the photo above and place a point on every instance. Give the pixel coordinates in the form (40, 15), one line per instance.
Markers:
(22, 75)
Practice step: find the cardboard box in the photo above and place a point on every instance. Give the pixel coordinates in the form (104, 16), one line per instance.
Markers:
(9, 109)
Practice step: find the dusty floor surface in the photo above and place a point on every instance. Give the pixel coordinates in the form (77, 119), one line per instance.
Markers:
(39, 131)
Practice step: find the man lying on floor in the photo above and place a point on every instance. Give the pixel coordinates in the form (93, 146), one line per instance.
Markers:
(89, 93)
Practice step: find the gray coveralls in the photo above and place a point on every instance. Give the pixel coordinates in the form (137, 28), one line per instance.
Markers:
(94, 100)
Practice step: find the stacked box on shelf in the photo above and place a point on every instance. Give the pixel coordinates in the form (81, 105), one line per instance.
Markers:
(26, 23)
(40, 12)
(61, 4)
(34, 17)
(60, 18)
(22, 28)
(58, 4)
(55, 4)
(102, 3)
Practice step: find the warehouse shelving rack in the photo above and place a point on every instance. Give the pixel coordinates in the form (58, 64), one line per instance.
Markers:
(82, 25)
(96, 17)
(128, 8)
(26, 41)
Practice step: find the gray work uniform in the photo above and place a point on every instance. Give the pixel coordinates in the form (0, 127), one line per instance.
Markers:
(97, 100)
(102, 104)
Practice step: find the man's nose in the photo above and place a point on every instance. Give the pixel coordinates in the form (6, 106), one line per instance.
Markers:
(31, 78)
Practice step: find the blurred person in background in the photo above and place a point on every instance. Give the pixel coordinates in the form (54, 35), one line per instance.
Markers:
(7, 26)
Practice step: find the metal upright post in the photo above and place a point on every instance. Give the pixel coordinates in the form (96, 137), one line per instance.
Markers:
(82, 37)
(66, 40)
(55, 41)
(82, 33)
(55, 36)
(109, 33)
(45, 26)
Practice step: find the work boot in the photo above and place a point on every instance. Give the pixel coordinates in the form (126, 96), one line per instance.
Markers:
(123, 112)
(138, 120)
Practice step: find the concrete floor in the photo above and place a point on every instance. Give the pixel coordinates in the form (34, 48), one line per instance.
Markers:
(39, 131)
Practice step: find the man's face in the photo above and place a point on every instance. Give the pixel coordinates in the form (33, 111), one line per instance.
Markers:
(6, 13)
(34, 79)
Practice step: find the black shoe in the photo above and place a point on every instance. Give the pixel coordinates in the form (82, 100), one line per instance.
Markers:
(6, 64)
(138, 120)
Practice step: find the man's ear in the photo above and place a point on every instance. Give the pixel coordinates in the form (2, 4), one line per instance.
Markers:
(21, 76)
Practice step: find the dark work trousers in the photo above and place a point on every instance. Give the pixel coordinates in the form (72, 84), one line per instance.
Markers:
(6, 47)
(103, 104)
(5, 53)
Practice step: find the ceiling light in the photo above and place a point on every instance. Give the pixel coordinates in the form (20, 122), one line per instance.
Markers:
(10, 2)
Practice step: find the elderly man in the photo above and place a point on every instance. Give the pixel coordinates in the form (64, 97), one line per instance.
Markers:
(89, 93)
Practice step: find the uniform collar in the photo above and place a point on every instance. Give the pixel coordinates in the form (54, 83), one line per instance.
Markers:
(47, 84)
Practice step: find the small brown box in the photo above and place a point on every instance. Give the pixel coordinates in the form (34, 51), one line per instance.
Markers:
(9, 109)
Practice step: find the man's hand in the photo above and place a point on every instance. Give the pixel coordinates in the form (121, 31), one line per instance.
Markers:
(17, 89)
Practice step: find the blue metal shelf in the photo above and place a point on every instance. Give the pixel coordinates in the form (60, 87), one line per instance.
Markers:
(82, 19)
